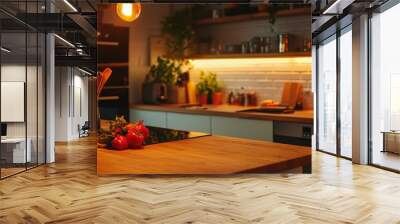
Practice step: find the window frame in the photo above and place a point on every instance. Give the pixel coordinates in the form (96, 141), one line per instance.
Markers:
(336, 31)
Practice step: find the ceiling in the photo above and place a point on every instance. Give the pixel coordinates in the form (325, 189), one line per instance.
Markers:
(328, 14)
(72, 20)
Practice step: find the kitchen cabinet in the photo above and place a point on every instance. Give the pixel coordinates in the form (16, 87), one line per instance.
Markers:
(216, 125)
(293, 133)
(150, 118)
(242, 128)
(189, 122)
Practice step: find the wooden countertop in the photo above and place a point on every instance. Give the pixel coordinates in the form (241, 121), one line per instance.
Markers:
(205, 155)
(304, 116)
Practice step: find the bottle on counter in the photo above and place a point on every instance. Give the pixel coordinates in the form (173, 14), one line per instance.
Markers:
(242, 97)
(251, 98)
(283, 43)
(231, 98)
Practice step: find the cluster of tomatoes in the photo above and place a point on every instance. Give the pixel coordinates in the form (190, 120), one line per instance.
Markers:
(130, 136)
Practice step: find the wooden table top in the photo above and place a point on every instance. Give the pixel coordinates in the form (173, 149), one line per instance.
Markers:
(204, 155)
(302, 116)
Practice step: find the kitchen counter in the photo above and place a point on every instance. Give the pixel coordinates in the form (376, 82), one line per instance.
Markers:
(303, 116)
(205, 155)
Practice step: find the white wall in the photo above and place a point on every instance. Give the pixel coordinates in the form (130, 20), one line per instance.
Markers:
(33, 127)
(70, 84)
(265, 77)
(16, 73)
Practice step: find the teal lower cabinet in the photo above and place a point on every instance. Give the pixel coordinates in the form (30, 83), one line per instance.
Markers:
(150, 118)
(216, 125)
(242, 128)
(189, 122)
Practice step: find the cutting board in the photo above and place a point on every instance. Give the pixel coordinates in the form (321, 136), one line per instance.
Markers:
(191, 92)
(292, 91)
(308, 100)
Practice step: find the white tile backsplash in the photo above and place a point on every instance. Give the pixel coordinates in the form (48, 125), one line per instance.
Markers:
(265, 79)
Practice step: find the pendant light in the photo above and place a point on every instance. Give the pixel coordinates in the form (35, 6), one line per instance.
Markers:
(128, 11)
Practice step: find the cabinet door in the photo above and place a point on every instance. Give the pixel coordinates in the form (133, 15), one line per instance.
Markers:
(242, 128)
(189, 122)
(150, 118)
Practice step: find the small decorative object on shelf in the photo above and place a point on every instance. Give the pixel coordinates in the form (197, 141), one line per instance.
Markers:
(121, 135)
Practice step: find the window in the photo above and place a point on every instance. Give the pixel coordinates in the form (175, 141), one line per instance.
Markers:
(334, 106)
(385, 88)
(22, 77)
(327, 96)
(346, 93)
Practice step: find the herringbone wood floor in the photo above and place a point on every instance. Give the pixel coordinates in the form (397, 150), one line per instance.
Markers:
(71, 192)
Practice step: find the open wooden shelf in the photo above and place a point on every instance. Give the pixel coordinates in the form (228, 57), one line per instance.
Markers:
(113, 64)
(267, 55)
(103, 98)
(107, 43)
(116, 87)
(253, 16)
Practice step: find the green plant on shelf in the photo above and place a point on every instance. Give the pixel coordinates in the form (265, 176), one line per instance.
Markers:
(178, 30)
(167, 71)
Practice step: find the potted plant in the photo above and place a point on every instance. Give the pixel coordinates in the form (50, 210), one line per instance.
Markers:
(156, 82)
(216, 89)
(203, 88)
(165, 76)
(209, 89)
(178, 30)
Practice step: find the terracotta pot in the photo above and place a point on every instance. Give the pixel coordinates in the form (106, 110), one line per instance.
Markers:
(203, 99)
(217, 98)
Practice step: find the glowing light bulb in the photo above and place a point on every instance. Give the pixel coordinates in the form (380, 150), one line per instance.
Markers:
(128, 11)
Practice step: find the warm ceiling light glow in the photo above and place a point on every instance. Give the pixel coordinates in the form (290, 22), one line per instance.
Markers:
(232, 63)
(128, 11)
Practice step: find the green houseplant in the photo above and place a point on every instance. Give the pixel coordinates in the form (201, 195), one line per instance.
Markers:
(166, 74)
(209, 89)
(203, 88)
(216, 89)
(163, 72)
(177, 29)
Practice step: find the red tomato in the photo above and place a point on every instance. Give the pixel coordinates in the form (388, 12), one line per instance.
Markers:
(135, 139)
(142, 129)
(129, 126)
(119, 142)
